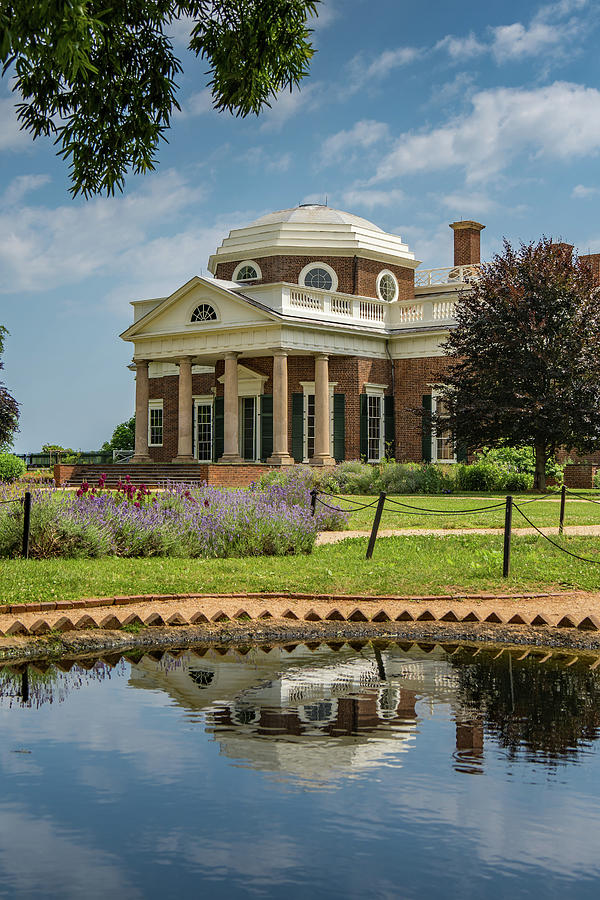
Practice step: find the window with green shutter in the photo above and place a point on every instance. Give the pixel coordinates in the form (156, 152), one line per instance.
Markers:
(390, 428)
(298, 427)
(364, 425)
(339, 427)
(266, 426)
(219, 429)
(426, 432)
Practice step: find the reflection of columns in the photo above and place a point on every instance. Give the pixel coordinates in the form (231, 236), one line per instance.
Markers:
(280, 455)
(231, 451)
(184, 421)
(141, 412)
(321, 456)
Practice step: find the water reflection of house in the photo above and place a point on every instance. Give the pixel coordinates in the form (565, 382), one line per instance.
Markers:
(308, 715)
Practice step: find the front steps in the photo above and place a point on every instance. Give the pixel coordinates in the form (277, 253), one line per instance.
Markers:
(157, 474)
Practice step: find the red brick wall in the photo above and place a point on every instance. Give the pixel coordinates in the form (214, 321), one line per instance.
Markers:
(467, 246)
(167, 390)
(414, 378)
(288, 268)
(579, 475)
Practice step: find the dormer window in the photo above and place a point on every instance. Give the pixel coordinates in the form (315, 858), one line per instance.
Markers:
(204, 313)
(387, 286)
(318, 275)
(247, 271)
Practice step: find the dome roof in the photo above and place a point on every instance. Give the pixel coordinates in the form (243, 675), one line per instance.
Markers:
(314, 231)
(315, 214)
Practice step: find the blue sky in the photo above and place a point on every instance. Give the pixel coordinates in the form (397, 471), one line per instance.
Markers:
(413, 115)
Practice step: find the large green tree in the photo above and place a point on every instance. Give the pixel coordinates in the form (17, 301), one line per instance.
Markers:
(525, 355)
(101, 77)
(123, 437)
(9, 408)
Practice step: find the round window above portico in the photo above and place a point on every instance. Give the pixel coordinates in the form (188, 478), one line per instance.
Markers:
(318, 275)
(387, 286)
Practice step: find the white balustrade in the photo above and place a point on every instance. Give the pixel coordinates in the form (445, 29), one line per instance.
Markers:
(412, 313)
(306, 299)
(341, 306)
(448, 275)
(443, 309)
(371, 312)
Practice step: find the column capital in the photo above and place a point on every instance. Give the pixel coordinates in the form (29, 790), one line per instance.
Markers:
(321, 355)
(231, 354)
(280, 351)
(141, 362)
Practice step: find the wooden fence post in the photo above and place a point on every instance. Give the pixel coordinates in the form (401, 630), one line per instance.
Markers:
(563, 500)
(26, 523)
(507, 530)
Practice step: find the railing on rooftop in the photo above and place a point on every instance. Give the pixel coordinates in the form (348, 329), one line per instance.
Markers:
(448, 275)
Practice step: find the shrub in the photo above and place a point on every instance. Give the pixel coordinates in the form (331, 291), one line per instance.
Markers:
(11, 467)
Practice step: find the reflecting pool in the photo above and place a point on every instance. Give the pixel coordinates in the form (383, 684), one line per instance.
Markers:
(377, 770)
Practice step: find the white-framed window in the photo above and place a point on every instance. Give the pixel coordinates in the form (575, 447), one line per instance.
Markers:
(248, 270)
(308, 430)
(375, 421)
(204, 312)
(318, 275)
(387, 286)
(442, 441)
(155, 423)
(203, 428)
(249, 427)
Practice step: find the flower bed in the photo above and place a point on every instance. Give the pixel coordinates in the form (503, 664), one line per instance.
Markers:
(179, 521)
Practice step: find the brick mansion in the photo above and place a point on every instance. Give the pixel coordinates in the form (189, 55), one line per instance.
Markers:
(314, 342)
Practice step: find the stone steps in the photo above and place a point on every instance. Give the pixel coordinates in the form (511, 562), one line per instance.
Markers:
(151, 475)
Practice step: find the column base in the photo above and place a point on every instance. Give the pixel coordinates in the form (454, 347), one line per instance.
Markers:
(230, 459)
(141, 458)
(184, 459)
(321, 461)
(281, 459)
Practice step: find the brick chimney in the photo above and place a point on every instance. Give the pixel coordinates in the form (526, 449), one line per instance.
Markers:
(593, 261)
(466, 242)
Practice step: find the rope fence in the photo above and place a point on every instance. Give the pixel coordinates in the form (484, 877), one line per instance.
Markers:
(508, 504)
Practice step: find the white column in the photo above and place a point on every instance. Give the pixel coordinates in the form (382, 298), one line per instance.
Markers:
(141, 412)
(185, 412)
(322, 456)
(280, 455)
(231, 451)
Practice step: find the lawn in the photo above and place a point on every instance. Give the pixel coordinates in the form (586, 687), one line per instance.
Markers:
(542, 511)
(403, 565)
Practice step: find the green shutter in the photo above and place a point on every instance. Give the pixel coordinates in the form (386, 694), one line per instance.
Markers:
(389, 434)
(219, 428)
(339, 427)
(298, 427)
(462, 455)
(266, 426)
(364, 441)
(426, 439)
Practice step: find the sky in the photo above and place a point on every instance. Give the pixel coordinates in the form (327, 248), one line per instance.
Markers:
(413, 116)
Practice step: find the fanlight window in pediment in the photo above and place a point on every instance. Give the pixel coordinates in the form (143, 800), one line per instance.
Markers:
(204, 313)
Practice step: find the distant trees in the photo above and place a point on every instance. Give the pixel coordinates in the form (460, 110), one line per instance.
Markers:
(525, 355)
(123, 437)
(9, 408)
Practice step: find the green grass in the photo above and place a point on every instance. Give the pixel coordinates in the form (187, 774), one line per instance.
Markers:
(405, 565)
(541, 512)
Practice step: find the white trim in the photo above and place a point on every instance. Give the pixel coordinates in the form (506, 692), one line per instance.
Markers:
(156, 404)
(434, 456)
(203, 400)
(194, 306)
(257, 426)
(308, 389)
(247, 262)
(377, 390)
(318, 265)
(379, 277)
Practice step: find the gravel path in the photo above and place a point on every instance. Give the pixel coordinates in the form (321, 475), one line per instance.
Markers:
(332, 537)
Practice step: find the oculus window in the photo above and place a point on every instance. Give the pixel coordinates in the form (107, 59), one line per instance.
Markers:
(204, 313)
(387, 287)
(318, 278)
(247, 271)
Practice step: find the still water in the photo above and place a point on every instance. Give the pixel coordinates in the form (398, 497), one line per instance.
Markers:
(302, 771)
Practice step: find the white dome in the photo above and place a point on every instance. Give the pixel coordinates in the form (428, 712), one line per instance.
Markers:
(315, 214)
(314, 231)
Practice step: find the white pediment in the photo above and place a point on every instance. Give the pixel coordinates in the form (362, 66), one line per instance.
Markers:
(173, 315)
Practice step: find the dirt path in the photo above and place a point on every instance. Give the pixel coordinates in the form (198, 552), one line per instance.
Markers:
(332, 537)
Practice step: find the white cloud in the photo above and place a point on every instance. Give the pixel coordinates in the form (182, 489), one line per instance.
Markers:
(288, 104)
(560, 121)
(370, 198)
(22, 185)
(362, 135)
(361, 73)
(327, 12)
(581, 192)
(197, 104)
(461, 47)
(515, 41)
(259, 158)
(468, 203)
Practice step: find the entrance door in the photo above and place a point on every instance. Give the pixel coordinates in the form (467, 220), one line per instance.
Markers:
(204, 431)
(248, 428)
